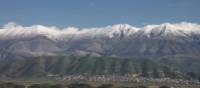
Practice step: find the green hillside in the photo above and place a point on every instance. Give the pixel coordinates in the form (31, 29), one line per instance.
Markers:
(65, 65)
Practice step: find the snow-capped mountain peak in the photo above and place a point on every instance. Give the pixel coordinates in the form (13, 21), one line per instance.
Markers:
(102, 40)
(122, 30)
(12, 30)
(122, 26)
(168, 29)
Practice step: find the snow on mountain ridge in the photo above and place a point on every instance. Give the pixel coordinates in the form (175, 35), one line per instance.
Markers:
(13, 30)
(167, 29)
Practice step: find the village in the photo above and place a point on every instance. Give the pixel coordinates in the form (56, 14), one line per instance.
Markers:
(122, 78)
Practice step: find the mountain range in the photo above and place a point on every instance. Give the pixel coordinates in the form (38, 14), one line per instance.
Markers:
(117, 40)
(175, 46)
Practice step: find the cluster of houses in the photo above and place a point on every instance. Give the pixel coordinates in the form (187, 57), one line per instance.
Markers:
(120, 78)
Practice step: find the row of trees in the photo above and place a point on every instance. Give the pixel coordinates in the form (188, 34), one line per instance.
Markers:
(76, 85)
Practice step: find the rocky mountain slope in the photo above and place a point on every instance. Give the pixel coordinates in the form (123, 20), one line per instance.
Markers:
(172, 45)
(117, 40)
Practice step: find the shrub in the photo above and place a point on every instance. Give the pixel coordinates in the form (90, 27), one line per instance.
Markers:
(142, 87)
(79, 85)
(11, 85)
(164, 87)
(106, 86)
(58, 86)
(40, 86)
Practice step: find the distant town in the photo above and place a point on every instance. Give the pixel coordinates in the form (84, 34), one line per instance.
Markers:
(121, 78)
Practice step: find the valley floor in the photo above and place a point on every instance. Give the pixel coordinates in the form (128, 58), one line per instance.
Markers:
(148, 82)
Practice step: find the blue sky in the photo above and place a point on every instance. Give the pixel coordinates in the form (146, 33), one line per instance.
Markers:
(96, 13)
